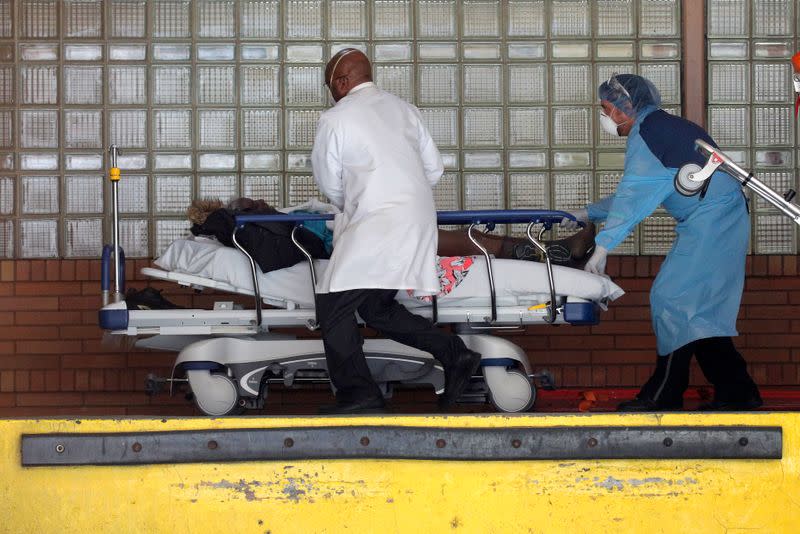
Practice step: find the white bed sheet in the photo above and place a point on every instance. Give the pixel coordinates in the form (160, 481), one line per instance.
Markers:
(517, 282)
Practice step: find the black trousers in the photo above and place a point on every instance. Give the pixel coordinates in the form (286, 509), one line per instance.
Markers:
(720, 362)
(343, 342)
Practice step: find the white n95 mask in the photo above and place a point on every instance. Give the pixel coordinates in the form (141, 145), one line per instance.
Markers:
(608, 125)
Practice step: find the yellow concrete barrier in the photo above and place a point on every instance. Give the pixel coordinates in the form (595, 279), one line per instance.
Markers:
(420, 496)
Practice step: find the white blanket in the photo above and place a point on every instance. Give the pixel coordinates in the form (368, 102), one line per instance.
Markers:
(517, 282)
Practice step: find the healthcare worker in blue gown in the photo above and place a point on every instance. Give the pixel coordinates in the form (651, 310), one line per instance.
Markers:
(695, 298)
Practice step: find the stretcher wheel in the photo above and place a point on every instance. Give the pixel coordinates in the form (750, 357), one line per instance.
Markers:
(215, 394)
(510, 390)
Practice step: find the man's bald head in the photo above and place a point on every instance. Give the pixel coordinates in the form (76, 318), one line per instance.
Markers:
(346, 69)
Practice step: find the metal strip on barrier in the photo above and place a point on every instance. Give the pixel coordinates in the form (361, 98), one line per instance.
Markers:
(396, 442)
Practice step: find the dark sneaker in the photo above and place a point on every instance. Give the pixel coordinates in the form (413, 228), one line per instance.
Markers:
(573, 251)
(753, 403)
(148, 299)
(526, 251)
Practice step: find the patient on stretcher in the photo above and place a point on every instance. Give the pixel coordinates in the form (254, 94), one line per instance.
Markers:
(271, 246)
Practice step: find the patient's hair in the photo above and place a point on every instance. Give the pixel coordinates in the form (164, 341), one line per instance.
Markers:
(200, 209)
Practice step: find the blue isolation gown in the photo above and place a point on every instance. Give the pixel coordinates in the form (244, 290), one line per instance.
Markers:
(697, 292)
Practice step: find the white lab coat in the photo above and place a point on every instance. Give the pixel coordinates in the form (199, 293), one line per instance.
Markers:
(375, 160)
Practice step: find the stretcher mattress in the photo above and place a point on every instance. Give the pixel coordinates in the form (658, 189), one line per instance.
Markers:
(517, 282)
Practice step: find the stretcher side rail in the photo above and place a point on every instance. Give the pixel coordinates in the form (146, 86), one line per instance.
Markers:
(487, 218)
(238, 322)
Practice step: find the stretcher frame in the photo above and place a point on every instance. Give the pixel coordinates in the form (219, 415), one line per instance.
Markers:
(228, 356)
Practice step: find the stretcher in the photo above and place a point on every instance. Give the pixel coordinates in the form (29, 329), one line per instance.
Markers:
(229, 355)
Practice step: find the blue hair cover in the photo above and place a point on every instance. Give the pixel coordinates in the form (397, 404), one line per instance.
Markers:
(629, 93)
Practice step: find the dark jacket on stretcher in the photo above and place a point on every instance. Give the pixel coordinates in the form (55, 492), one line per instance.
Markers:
(270, 244)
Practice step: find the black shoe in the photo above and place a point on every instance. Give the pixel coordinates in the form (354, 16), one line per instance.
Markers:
(457, 375)
(573, 251)
(368, 405)
(648, 405)
(558, 252)
(523, 251)
(148, 299)
(753, 403)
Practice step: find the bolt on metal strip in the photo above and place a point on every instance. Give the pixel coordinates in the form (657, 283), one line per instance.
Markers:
(413, 443)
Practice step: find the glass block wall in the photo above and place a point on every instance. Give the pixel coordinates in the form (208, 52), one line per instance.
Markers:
(750, 96)
(220, 98)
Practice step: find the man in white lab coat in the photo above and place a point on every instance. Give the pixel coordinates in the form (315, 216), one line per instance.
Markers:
(374, 159)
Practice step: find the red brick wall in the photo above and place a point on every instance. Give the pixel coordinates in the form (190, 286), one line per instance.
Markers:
(53, 360)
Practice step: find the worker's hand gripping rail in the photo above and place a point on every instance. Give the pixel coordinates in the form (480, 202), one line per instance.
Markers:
(489, 218)
(114, 249)
(691, 177)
